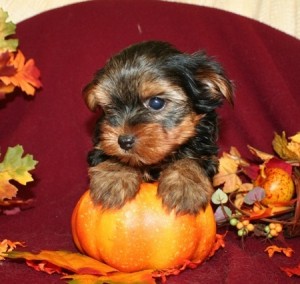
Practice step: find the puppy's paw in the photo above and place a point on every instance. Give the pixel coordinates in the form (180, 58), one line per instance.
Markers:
(184, 187)
(112, 184)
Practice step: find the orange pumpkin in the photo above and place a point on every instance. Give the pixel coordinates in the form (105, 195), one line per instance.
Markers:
(142, 234)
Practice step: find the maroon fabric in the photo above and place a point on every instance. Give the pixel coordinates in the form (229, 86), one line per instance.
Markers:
(69, 44)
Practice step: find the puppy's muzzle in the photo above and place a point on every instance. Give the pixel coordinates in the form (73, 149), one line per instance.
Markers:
(126, 142)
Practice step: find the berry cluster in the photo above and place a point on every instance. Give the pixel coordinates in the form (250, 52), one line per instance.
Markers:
(273, 230)
(244, 227)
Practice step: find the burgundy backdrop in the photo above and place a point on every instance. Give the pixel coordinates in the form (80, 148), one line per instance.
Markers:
(69, 45)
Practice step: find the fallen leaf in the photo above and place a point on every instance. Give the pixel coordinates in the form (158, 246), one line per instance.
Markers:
(75, 262)
(291, 271)
(44, 266)
(219, 243)
(8, 246)
(15, 167)
(272, 249)
(7, 29)
(144, 276)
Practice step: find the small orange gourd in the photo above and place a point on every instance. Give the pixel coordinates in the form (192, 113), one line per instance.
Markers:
(142, 234)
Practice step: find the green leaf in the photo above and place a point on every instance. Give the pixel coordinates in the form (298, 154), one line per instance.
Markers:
(219, 197)
(7, 29)
(16, 167)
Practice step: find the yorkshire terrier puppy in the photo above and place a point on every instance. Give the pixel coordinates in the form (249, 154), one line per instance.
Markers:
(158, 124)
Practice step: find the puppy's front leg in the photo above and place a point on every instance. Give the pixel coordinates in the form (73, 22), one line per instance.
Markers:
(113, 184)
(185, 187)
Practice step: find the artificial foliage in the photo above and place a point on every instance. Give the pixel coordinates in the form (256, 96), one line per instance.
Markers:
(15, 70)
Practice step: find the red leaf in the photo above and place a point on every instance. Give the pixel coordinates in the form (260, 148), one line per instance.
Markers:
(278, 163)
(290, 271)
(44, 266)
(252, 171)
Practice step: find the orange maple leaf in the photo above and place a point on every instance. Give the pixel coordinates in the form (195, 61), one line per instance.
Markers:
(8, 246)
(7, 190)
(286, 251)
(227, 174)
(26, 75)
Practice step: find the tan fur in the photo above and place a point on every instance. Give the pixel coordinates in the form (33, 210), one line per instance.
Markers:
(217, 84)
(113, 183)
(153, 142)
(184, 186)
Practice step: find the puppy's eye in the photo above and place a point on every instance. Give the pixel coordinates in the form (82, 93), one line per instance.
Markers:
(156, 103)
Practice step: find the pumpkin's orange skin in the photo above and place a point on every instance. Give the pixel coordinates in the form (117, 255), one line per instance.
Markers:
(142, 235)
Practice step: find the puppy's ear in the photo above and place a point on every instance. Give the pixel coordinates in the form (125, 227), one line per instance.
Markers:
(89, 96)
(212, 76)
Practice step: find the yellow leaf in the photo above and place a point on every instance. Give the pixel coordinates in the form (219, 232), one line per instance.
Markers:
(282, 148)
(7, 190)
(227, 175)
(262, 155)
(16, 167)
(7, 246)
(295, 138)
(236, 156)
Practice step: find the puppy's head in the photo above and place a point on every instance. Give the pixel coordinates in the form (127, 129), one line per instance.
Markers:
(153, 98)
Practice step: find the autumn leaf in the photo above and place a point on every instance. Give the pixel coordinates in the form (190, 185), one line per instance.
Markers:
(86, 269)
(7, 29)
(26, 76)
(295, 138)
(287, 150)
(272, 249)
(144, 276)
(8, 246)
(220, 242)
(290, 271)
(75, 262)
(227, 175)
(44, 266)
(15, 167)
(260, 154)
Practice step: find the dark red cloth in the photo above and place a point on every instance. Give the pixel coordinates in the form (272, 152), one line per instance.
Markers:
(69, 44)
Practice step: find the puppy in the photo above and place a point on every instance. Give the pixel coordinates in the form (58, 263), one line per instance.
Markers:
(158, 124)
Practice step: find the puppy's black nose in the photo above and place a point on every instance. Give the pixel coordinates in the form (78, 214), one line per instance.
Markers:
(126, 141)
